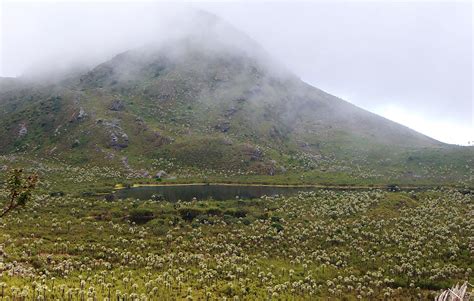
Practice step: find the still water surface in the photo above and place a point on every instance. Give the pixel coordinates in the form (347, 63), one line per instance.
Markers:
(204, 192)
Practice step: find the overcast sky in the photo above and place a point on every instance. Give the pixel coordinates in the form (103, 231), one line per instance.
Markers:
(408, 61)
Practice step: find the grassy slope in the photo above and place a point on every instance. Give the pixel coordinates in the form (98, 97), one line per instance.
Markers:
(174, 114)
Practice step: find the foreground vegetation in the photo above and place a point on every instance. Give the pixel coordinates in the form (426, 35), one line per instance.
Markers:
(323, 244)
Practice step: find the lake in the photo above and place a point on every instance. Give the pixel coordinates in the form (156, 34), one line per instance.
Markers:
(205, 192)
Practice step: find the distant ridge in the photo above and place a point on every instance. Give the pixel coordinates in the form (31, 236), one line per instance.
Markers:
(211, 100)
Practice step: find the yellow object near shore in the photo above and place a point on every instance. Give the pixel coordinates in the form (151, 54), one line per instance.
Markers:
(119, 186)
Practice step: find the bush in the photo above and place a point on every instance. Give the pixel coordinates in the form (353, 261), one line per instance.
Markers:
(56, 193)
(203, 218)
(246, 221)
(228, 290)
(275, 219)
(109, 197)
(116, 212)
(277, 226)
(141, 216)
(214, 211)
(393, 188)
(37, 263)
(229, 219)
(433, 285)
(236, 212)
(101, 215)
(188, 214)
(158, 226)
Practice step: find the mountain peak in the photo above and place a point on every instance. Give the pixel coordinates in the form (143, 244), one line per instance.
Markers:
(205, 32)
(209, 97)
(203, 44)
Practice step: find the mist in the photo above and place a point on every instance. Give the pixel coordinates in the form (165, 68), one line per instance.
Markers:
(409, 62)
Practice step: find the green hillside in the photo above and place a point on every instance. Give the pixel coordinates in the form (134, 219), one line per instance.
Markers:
(209, 108)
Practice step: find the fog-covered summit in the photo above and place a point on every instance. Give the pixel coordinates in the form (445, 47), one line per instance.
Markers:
(209, 98)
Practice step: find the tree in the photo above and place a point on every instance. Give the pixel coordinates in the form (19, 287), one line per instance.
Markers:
(19, 187)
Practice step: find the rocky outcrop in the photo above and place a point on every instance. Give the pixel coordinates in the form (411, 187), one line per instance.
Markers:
(117, 105)
(254, 153)
(118, 140)
(230, 112)
(82, 114)
(125, 163)
(277, 133)
(23, 130)
(157, 139)
(223, 126)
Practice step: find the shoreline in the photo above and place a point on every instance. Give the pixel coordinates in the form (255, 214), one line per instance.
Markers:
(138, 185)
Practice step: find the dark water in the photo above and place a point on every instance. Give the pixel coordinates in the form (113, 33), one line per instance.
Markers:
(204, 192)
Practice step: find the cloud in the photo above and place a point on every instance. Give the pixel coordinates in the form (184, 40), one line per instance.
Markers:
(441, 129)
(416, 56)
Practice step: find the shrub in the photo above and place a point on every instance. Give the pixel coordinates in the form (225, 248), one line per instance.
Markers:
(277, 226)
(275, 219)
(141, 215)
(158, 226)
(214, 211)
(246, 221)
(101, 215)
(236, 212)
(109, 197)
(115, 212)
(37, 263)
(229, 219)
(56, 193)
(20, 188)
(188, 214)
(203, 217)
(228, 290)
(393, 188)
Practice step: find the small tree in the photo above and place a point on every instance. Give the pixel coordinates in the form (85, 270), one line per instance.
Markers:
(19, 187)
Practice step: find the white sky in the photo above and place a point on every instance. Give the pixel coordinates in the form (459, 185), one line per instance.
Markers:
(408, 61)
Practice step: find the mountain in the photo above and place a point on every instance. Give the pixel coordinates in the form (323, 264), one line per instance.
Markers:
(212, 102)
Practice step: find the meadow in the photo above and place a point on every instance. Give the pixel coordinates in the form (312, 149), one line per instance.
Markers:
(321, 245)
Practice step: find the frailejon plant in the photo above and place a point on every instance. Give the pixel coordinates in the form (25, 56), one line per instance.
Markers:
(456, 293)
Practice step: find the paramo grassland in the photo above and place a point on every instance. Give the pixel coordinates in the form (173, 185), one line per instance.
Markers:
(368, 245)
